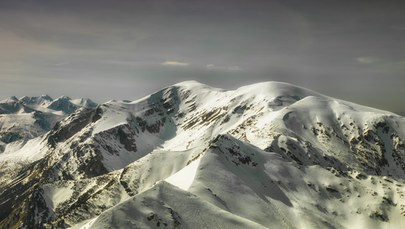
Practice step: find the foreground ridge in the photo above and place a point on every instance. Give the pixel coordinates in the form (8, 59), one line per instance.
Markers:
(265, 155)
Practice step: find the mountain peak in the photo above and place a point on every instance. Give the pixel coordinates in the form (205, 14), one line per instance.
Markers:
(274, 88)
(194, 85)
(9, 100)
(188, 83)
(46, 97)
(64, 97)
(84, 102)
(13, 98)
(35, 100)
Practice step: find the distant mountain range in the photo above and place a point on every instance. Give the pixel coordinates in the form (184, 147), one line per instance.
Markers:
(30, 117)
(267, 155)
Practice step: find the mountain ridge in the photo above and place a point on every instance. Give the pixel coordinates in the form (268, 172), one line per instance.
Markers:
(293, 158)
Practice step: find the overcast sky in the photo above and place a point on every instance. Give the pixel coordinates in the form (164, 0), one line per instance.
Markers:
(126, 49)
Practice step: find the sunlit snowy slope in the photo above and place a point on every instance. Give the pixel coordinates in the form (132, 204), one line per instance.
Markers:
(268, 155)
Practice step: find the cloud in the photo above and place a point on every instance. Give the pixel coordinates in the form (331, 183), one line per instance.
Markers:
(223, 68)
(175, 63)
(367, 60)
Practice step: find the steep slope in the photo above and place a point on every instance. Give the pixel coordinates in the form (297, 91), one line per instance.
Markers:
(265, 155)
(168, 207)
(23, 124)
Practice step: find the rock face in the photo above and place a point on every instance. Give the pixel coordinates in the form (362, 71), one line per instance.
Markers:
(268, 155)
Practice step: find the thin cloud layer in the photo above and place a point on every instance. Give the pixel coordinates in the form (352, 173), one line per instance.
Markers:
(367, 60)
(175, 63)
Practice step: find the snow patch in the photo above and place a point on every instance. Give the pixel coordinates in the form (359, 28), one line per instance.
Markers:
(185, 177)
(56, 195)
(21, 151)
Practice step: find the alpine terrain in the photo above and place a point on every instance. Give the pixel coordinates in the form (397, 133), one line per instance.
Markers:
(268, 155)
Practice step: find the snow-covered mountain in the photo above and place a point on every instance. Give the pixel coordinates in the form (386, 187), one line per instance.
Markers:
(29, 118)
(268, 155)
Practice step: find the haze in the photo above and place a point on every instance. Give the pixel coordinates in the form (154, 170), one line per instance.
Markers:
(105, 49)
